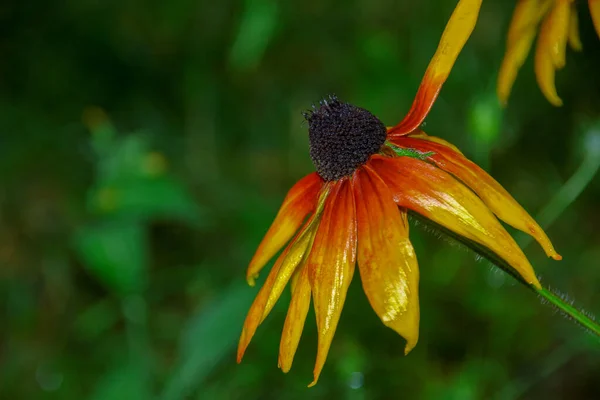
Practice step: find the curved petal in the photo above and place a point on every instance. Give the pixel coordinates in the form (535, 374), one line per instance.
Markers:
(294, 321)
(555, 29)
(457, 31)
(574, 38)
(595, 11)
(298, 203)
(487, 188)
(551, 48)
(423, 136)
(522, 30)
(292, 257)
(438, 196)
(527, 15)
(386, 259)
(545, 74)
(331, 265)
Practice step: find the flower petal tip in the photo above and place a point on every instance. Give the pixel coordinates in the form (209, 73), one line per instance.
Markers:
(242, 345)
(285, 368)
(240, 356)
(556, 256)
(251, 279)
(410, 344)
(556, 101)
(314, 382)
(284, 363)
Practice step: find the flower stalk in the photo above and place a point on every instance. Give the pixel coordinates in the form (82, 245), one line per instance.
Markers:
(567, 309)
(570, 311)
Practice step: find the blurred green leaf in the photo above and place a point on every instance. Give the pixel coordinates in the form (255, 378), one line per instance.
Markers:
(116, 253)
(256, 29)
(210, 337)
(147, 200)
(485, 118)
(127, 382)
(96, 319)
(124, 158)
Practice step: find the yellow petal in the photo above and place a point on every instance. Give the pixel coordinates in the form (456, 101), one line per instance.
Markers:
(331, 265)
(435, 194)
(526, 17)
(291, 258)
(521, 33)
(457, 31)
(574, 38)
(294, 322)
(299, 202)
(487, 188)
(294, 279)
(557, 24)
(550, 51)
(545, 73)
(386, 259)
(595, 11)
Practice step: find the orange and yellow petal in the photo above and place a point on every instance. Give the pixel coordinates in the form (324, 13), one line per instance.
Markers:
(574, 38)
(595, 12)
(457, 31)
(284, 267)
(386, 259)
(522, 30)
(292, 258)
(551, 49)
(423, 136)
(299, 202)
(487, 188)
(331, 265)
(438, 196)
(294, 321)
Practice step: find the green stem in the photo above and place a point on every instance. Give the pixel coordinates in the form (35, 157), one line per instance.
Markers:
(577, 315)
(567, 194)
(569, 310)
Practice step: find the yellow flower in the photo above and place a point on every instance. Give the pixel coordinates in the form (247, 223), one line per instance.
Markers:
(559, 25)
(353, 210)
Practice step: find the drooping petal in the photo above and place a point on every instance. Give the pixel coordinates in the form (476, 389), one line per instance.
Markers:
(487, 188)
(574, 38)
(299, 202)
(290, 259)
(527, 15)
(551, 49)
(269, 293)
(457, 31)
(294, 322)
(386, 259)
(294, 279)
(438, 196)
(595, 11)
(555, 29)
(331, 265)
(545, 74)
(521, 33)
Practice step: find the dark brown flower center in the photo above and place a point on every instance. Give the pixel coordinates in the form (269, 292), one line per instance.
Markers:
(342, 137)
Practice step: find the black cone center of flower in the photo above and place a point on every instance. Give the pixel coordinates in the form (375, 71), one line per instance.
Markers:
(342, 137)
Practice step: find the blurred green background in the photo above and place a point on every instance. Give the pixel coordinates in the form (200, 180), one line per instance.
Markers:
(145, 148)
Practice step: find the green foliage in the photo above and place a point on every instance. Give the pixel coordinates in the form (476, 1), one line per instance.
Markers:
(145, 149)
